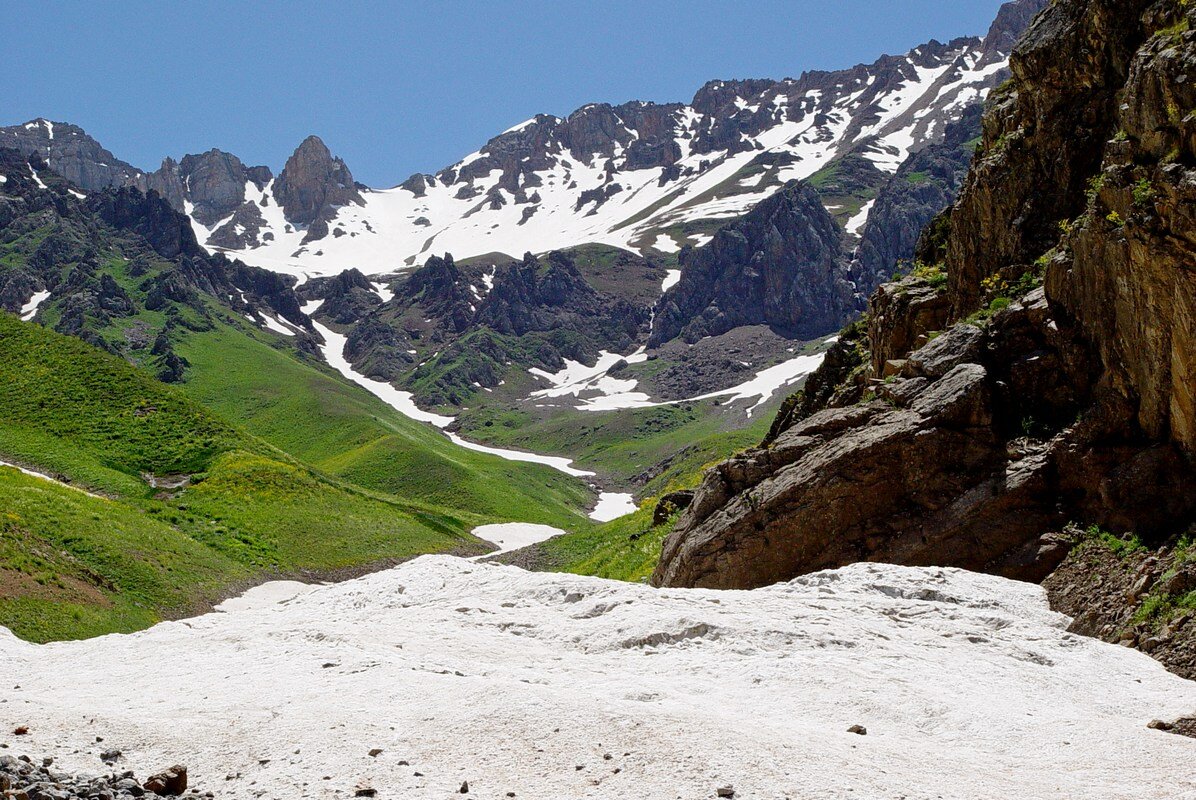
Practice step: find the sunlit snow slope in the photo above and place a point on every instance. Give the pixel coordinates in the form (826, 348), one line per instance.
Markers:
(640, 175)
(554, 686)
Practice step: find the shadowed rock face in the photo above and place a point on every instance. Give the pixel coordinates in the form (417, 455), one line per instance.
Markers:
(72, 153)
(777, 266)
(924, 185)
(312, 181)
(972, 443)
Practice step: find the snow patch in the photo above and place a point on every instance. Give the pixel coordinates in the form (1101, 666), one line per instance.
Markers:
(612, 505)
(383, 291)
(276, 325)
(576, 378)
(403, 402)
(37, 178)
(671, 278)
(558, 463)
(856, 224)
(43, 476)
(969, 686)
(761, 388)
(333, 350)
(29, 310)
(666, 244)
(510, 536)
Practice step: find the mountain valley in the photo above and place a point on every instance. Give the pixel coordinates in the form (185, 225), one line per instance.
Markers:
(820, 437)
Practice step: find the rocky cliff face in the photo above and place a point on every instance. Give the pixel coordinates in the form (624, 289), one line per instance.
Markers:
(71, 153)
(210, 186)
(313, 183)
(1040, 376)
(778, 266)
(924, 185)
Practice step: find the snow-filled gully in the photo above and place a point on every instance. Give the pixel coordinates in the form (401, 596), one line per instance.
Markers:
(611, 505)
(574, 380)
(560, 686)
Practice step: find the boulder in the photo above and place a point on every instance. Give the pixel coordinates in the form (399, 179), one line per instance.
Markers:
(168, 783)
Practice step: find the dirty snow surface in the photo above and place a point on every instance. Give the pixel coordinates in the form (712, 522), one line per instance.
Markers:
(558, 686)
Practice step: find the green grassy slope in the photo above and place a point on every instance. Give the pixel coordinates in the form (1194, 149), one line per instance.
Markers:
(625, 549)
(628, 548)
(71, 408)
(343, 430)
(626, 443)
(251, 510)
(73, 566)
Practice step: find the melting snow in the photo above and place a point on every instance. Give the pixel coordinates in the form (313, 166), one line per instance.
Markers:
(514, 535)
(666, 244)
(762, 387)
(403, 402)
(769, 381)
(576, 378)
(969, 686)
(671, 279)
(383, 291)
(37, 178)
(612, 505)
(276, 325)
(564, 465)
(856, 224)
(30, 309)
(43, 476)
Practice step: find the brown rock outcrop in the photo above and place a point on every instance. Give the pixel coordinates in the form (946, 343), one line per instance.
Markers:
(978, 439)
(312, 182)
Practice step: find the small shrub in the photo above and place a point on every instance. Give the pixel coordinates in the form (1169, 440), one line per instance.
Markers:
(994, 285)
(934, 274)
(1028, 281)
(1143, 192)
(1121, 546)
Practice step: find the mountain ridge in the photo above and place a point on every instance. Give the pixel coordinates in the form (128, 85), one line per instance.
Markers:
(639, 175)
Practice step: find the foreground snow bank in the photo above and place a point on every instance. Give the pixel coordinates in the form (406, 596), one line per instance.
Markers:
(555, 686)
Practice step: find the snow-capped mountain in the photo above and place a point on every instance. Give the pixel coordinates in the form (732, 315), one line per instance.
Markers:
(642, 176)
(639, 175)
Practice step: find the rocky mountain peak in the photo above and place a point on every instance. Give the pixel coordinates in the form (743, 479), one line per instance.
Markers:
(714, 96)
(313, 182)
(71, 152)
(1012, 20)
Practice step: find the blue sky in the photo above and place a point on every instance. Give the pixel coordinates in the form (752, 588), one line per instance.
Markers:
(402, 87)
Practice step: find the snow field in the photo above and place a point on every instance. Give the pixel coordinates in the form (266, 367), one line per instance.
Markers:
(558, 686)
